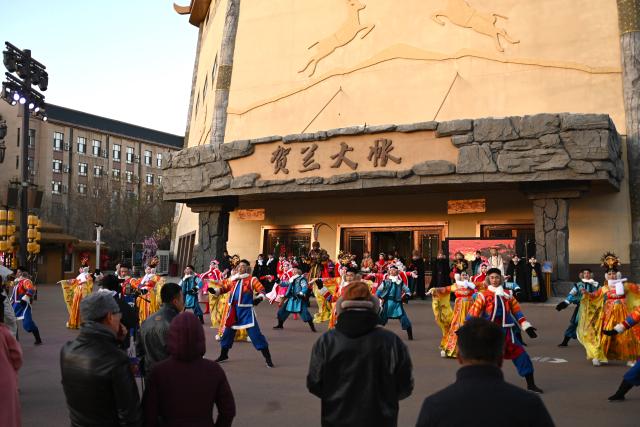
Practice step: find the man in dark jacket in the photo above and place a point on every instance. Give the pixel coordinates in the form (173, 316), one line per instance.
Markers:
(96, 377)
(113, 286)
(358, 356)
(151, 345)
(480, 396)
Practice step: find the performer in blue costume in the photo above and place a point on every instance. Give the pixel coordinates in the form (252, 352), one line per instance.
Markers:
(21, 297)
(390, 292)
(586, 284)
(190, 285)
(241, 315)
(296, 300)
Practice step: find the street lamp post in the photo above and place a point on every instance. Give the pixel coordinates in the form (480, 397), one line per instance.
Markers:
(99, 228)
(18, 90)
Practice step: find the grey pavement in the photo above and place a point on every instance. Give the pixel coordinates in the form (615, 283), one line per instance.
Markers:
(575, 392)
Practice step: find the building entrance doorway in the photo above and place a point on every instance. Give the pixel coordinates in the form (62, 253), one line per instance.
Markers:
(392, 242)
(426, 238)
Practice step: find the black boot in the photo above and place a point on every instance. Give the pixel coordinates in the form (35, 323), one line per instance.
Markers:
(410, 333)
(564, 342)
(267, 357)
(36, 334)
(280, 324)
(531, 385)
(201, 319)
(224, 355)
(625, 386)
(312, 326)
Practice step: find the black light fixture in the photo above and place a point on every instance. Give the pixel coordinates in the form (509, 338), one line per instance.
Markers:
(19, 90)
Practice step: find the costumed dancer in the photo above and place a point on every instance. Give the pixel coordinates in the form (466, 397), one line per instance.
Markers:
(212, 278)
(74, 290)
(392, 291)
(440, 275)
(347, 275)
(611, 298)
(261, 271)
(149, 288)
(223, 302)
(587, 284)
(191, 285)
(480, 279)
(495, 259)
(21, 297)
(499, 305)
(532, 284)
(324, 285)
(244, 292)
(296, 300)
(632, 376)
(367, 264)
(459, 265)
(464, 291)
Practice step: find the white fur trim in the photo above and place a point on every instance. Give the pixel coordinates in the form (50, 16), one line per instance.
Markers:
(619, 328)
(525, 325)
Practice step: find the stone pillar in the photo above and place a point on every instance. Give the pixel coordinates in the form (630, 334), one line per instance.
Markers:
(213, 233)
(629, 27)
(551, 216)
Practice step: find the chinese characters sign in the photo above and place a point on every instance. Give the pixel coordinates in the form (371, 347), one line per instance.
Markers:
(379, 155)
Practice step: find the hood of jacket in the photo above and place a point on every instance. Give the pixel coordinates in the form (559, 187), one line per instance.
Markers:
(186, 338)
(356, 323)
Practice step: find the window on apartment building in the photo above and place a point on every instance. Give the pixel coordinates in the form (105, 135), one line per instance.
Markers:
(147, 157)
(83, 169)
(82, 145)
(31, 165)
(132, 195)
(149, 196)
(57, 141)
(159, 179)
(115, 174)
(97, 171)
(129, 154)
(149, 179)
(97, 193)
(115, 195)
(57, 166)
(129, 176)
(116, 152)
(82, 189)
(32, 138)
(159, 160)
(96, 147)
(56, 187)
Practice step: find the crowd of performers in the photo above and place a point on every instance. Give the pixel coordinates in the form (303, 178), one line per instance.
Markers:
(603, 319)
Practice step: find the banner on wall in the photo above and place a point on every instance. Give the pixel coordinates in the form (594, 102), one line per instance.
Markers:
(469, 246)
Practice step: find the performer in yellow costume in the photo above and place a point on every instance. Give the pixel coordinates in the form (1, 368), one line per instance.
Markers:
(149, 287)
(213, 279)
(74, 290)
(602, 310)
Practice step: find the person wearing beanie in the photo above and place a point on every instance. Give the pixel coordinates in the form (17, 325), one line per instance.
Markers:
(359, 355)
(498, 305)
(392, 291)
(96, 376)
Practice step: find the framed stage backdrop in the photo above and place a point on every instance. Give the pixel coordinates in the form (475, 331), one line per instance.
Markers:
(469, 246)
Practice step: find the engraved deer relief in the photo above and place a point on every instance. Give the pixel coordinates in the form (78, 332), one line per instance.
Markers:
(460, 13)
(348, 31)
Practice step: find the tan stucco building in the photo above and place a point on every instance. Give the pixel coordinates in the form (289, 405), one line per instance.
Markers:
(457, 119)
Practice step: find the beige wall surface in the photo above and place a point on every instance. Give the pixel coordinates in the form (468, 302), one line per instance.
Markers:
(409, 68)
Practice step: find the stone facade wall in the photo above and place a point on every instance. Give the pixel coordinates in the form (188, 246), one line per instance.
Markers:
(542, 147)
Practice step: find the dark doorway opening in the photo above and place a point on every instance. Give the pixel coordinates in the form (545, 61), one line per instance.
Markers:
(391, 241)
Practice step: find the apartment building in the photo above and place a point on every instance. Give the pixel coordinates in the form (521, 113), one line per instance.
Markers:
(75, 157)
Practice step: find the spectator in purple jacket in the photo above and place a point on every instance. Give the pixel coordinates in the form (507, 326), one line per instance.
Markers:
(184, 388)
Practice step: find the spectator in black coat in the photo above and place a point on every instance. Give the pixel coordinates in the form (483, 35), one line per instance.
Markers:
(480, 396)
(440, 275)
(359, 369)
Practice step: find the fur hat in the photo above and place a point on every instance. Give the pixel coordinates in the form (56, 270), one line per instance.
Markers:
(356, 296)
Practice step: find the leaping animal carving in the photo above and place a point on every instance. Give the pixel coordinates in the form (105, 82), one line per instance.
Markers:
(460, 13)
(345, 34)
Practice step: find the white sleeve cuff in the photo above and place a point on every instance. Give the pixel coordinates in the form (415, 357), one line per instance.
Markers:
(619, 328)
(25, 298)
(567, 302)
(525, 325)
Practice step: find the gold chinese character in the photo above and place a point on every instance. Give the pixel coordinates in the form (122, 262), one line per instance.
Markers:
(342, 157)
(380, 152)
(279, 160)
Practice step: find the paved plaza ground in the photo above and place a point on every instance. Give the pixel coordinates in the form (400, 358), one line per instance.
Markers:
(575, 392)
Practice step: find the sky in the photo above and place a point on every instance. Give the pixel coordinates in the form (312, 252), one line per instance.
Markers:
(129, 60)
